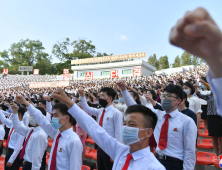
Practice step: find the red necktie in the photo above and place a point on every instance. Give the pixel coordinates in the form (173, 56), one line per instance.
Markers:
(101, 118)
(9, 137)
(53, 161)
(163, 134)
(126, 165)
(9, 116)
(24, 146)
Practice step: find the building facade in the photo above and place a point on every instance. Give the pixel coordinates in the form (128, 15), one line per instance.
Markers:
(112, 69)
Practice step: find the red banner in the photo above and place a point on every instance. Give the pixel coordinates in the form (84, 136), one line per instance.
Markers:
(113, 73)
(49, 84)
(36, 72)
(89, 76)
(66, 74)
(137, 72)
(5, 71)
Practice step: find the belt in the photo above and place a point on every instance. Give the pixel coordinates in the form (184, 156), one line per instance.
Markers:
(167, 158)
(27, 163)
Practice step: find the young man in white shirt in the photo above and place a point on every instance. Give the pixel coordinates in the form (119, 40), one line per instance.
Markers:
(35, 143)
(109, 118)
(14, 141)
(139, 124)
(175, 133)
(66, 151)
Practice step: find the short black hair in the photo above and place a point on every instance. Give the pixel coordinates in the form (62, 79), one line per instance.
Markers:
(185, 97)
(109, 91)
(64, 110)
(177, 90)
(188, 84)
(21, 111)
(150, 117)
(180, 82)
(135, 94)
(153, 94)
(43, 101)
(42, 110)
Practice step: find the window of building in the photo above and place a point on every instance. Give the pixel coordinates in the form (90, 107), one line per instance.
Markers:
(82, 74)
(129, 71)
(105, 73)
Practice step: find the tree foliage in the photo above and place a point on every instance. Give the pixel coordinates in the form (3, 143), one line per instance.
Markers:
(152, 60)
(177, 62)
(164, 63)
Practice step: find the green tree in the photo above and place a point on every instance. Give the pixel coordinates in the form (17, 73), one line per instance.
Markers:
(80, 49)
(23, 53)
(164, 63)
(186, 59)
(58, 67)
(177, 62)
(103, 54)
(195, 60)
(44, 64)
(152, 60)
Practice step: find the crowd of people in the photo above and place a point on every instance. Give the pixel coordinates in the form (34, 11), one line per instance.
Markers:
(133, 115)
(12, 81)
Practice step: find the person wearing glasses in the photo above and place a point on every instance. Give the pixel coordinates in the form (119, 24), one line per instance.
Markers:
(175, 133)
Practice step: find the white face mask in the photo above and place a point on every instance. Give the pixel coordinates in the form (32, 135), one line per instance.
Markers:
(130, 135)
(32, 121)
(187, 91)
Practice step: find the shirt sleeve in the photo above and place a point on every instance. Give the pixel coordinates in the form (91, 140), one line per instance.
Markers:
(143, 100)
(42, 121)
(96, 132)
(26, 119)
(17, 149)
(5, 121)
(87, 109)
(19, 127)
(158, 107)
(2, 134)
(198, 106)
(207, 85)
(49, 107)
(39, 150)
(215, 85)
(190, 135)
(118, 123)
(204, 97)
(5, 113)
(127, 98)
(75, 149)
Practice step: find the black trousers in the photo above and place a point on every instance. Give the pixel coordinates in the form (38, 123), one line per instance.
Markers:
(172, 165)
(6, 132)
(27, 167)
(1, 149)
(16, 164)
(103, 160)
(43, 161)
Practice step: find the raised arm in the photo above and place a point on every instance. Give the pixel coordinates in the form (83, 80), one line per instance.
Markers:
(85, 106)
(38, 116)
(48, 104)
(88, 124)
(19, 127)
(5, 121)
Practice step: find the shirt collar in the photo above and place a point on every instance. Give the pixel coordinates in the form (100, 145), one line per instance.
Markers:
(139, 154)
(36, 128)
(67, 132)
(109, 107)
(173, 113)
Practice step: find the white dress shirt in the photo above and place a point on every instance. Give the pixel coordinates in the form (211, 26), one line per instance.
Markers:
(2, 132)
(26, 119)
(112, 120)
(194, 104)
(49, 107)
(48, 116)
(142, 159)
(182, 134)
(8, 115)
(36, 145)
(215, 85)
(69, 153)
(15, 141)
